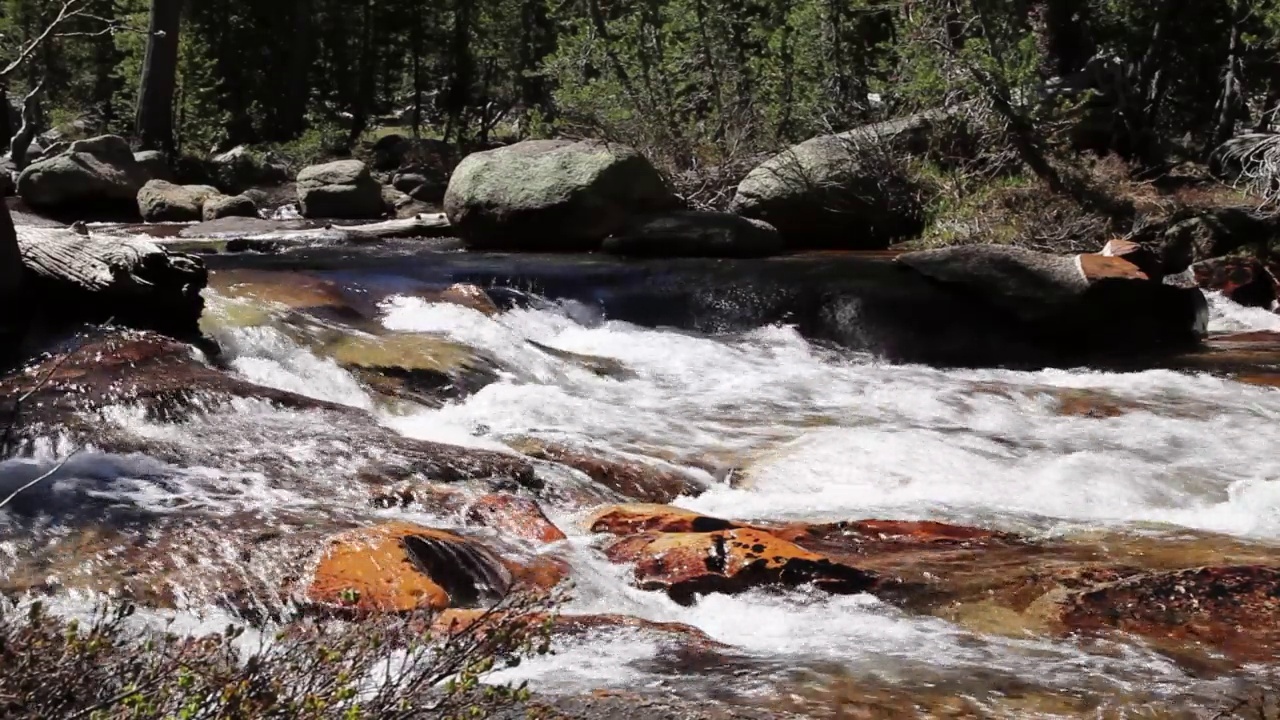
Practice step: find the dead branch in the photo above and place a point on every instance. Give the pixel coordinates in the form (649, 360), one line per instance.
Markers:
(70, 10)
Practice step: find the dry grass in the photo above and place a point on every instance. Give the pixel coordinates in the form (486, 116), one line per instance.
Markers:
(380, 668)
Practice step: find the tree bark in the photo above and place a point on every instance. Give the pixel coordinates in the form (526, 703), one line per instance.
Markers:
(159, 77)
(12, 320)
(294, 112)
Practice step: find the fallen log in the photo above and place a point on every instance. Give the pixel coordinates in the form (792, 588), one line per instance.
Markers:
(71, 278)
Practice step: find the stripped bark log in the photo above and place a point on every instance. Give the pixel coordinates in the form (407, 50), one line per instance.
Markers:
(74, 278)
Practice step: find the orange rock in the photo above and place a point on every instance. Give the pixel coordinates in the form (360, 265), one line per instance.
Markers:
(1232, 609)
(514, 515)
(688, 564)
(1102, 267)
(400, 567)
(464, 295)
(630, 519)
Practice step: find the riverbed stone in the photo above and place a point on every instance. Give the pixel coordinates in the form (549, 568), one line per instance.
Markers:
(837, 191)
(686, 565)
(551, 195)
(222, 206)
(651, 482)
(99, 174)
(696, 233)
(343, 189)
(1245, 280)
(400, 567)
(1230, 609)
(162, 201)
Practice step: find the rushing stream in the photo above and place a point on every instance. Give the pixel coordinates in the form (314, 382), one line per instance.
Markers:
(781, 428)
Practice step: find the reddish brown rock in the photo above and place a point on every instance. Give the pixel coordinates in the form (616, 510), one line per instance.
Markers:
(514, 515)
(400, 567)
(510, 514)
(632, 519)
(1246, 280)
(688, 564)
(1232, 609)
(640, 481)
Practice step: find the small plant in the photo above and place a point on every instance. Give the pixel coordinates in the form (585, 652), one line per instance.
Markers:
(315, 669)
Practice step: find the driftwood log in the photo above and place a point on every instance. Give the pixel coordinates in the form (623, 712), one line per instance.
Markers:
(254, 232)
(75, 277)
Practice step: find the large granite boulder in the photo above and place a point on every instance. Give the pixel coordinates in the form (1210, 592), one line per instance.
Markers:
(97, 174)
(551, 195)
(342, 189)
(838, 191)
(162, 201)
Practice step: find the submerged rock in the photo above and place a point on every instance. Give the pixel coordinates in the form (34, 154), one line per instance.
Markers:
(1230, 609)
(635, 479)
(689, 564)
(551, 195)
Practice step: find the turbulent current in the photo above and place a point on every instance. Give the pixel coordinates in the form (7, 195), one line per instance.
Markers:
(778, 428)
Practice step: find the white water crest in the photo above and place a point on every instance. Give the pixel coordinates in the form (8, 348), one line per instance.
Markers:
(815, 434)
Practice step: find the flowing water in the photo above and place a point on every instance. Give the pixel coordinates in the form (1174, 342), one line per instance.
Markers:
(783, 429)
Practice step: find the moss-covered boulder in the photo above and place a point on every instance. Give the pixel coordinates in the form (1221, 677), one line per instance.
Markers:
(551, 195)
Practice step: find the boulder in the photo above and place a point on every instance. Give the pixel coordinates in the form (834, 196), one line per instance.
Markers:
(342, 189)
(1246, 280)
(402, 206)
(221, 206)
(689, 564)
(419, 187)
(694, 233)
(1231, 609)
(1061, 306)
(514, 516)
(1195, 235)
(551, 195)
(154, 165)
(100, 173)
(162, 201)
(400, 567)
(836, 191)
(240, 169)
(631, 519)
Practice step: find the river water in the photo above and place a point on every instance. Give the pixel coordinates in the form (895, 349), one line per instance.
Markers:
(781, 428)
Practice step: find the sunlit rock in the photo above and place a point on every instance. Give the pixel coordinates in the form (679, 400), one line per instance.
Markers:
(559, 195)
(689, 564)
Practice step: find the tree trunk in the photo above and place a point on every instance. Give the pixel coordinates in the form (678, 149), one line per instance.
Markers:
(293, 117)
(159, 76)
(12, 312)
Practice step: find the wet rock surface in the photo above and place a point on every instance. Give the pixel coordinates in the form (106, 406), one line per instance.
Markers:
(688, 564)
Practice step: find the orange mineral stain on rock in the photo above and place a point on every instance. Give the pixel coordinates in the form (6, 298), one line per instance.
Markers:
(689, 564)
(400, 567)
